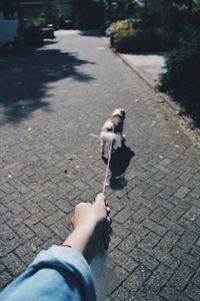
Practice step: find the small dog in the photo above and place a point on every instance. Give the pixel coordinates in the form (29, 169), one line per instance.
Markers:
(112, 129)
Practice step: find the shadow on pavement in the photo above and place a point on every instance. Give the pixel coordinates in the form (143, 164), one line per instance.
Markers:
(119, 163)
(91, 32)
(25, 77)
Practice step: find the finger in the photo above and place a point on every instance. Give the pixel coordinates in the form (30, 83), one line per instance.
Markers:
(108, 210)
(106, 202)
(100, 200)
(109, 220)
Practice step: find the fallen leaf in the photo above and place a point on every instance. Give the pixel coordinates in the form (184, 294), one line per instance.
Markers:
(153, 123)
(34, 249)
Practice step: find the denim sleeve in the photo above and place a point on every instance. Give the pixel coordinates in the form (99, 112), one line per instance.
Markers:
(58, 274)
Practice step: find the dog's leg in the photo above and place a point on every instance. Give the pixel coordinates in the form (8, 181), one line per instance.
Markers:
(123, 138)
(102, 147)
(113, 146)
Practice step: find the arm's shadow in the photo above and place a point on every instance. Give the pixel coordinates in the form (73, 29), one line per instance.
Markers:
(119, 163)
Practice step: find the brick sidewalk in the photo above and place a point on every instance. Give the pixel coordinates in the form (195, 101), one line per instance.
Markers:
(52, 112)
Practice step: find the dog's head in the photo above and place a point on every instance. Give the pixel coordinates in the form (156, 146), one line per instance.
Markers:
(120, 112)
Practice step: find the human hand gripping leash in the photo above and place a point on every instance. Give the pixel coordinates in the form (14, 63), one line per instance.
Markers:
(101, 273)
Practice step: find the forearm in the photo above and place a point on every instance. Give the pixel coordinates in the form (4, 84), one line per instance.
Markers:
(83, 241)
(59, 274)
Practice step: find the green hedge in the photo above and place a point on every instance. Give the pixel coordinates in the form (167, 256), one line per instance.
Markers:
(181, 80)
(126, 37)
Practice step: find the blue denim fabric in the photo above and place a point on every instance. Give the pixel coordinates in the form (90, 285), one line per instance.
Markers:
(58, 274)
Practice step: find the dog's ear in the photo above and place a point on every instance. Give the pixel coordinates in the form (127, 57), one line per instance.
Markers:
(123, 112)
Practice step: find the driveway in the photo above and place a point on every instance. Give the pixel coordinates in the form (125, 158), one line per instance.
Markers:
(53, 102)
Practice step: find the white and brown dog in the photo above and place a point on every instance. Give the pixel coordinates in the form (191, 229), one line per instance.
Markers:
(112, 129)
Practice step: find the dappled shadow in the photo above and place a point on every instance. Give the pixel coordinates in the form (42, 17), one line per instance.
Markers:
(25, 77)
(91, 32)
(119, 163)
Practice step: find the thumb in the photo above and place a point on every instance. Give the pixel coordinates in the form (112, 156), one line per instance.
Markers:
(100, 198)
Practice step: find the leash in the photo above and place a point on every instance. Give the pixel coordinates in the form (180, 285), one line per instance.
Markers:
(107, 167)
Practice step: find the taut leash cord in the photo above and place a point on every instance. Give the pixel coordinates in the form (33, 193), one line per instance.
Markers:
(107, 167)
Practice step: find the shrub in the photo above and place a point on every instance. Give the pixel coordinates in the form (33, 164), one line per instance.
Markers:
(126, 37)
(181, 80)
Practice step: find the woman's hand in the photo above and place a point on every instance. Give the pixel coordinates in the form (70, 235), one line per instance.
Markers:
(91, 224)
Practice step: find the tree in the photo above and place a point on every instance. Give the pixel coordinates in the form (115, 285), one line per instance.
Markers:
(8, 7)
(121, 9)
(51, 14)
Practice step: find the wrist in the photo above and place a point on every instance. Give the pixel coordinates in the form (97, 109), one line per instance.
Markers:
(80, 240)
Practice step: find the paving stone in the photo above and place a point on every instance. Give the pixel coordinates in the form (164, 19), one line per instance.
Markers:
(141, 214)
(182, 192)
(137, 279)
(148, 295)
(150, 241)
(159, 213)
(144, 259)
(181, 277)
(42, 231)
(5, 278)
(154, 227)
(128, 244)
(185, 257)
(16, 266)
(196, 279)
(193, 213)
(159, 278)
(193, 292)
(187, 240)
(169, 293)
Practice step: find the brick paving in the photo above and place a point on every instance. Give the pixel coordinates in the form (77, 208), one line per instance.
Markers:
(53, 103)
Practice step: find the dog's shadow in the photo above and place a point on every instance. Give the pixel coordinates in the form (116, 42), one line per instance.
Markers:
(119, 163)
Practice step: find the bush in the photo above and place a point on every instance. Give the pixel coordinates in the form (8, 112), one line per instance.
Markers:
(126, 37)
(181, 80)
(47, 33)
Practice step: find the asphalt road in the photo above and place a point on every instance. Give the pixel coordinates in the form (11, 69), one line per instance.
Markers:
(53, 102)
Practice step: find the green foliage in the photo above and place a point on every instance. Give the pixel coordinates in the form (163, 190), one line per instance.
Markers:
(181, 80)
(88, 15)
(127, 36)
(37, 22)
(119, 10)
(8, 7)
(52, 14)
